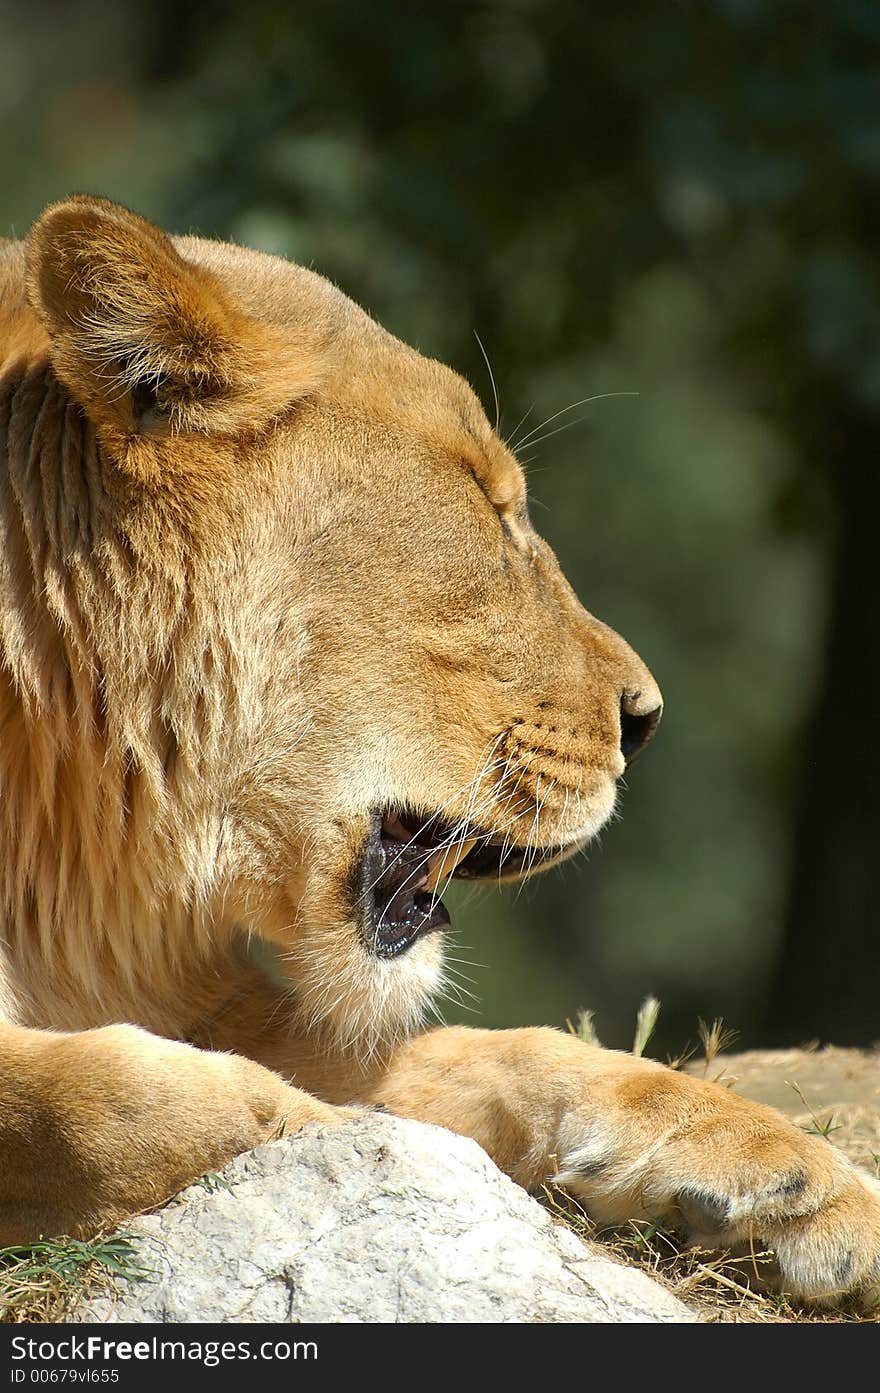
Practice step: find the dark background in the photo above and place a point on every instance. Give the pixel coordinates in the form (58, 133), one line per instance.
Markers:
(672, 208)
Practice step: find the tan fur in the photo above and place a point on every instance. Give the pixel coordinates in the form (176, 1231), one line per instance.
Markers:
(264, 569)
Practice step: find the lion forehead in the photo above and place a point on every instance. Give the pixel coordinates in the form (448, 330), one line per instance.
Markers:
(370, 370)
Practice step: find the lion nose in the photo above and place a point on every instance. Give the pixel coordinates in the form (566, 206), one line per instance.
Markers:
(637, 726)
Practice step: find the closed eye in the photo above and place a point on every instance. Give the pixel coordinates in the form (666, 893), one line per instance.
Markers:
(517, 528)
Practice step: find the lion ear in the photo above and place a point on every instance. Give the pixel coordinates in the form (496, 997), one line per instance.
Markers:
(148, 342)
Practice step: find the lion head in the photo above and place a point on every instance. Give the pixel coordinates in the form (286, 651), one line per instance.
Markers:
(285, 647)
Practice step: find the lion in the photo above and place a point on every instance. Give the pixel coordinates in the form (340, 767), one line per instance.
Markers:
(281, 653)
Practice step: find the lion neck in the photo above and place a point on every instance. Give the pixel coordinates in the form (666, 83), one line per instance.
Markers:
(109, 862)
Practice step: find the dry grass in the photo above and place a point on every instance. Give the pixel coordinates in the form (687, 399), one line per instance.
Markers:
(47, 1281)
(721, 1287)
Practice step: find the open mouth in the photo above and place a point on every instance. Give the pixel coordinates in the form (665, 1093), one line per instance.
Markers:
(406, 863)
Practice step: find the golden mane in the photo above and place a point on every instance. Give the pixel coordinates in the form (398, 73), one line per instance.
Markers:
(120, 691)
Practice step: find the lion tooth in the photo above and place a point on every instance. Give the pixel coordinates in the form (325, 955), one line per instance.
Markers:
(443, 863)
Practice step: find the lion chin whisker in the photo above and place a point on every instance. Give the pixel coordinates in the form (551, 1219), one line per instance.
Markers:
(367, 1006)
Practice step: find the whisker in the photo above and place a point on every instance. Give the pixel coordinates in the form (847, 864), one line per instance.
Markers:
(520, 422)
(533, 444)
(585, 401)
(491, 379)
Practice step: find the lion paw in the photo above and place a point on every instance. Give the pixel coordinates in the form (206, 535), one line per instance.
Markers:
(736, 1176)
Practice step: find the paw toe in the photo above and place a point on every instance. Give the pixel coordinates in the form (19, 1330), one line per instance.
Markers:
(703, 1212)
(834, 1253)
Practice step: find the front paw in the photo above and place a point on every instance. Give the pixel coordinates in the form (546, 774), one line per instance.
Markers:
(833, 1253)
(734, 1175)
(157, 1114)
(826, 1246)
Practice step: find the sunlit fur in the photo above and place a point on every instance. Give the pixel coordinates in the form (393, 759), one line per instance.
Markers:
(277, 574)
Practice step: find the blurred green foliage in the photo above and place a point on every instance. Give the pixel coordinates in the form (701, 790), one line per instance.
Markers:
(668, 209)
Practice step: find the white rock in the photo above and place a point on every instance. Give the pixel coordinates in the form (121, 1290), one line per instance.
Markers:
(378, 1220)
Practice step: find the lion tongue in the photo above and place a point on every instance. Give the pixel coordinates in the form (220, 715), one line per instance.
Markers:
(444, 862)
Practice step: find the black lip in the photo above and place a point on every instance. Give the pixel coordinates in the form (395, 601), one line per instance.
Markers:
(395, 910)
